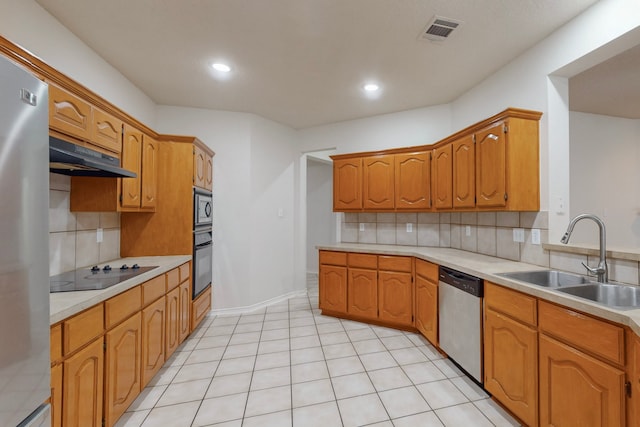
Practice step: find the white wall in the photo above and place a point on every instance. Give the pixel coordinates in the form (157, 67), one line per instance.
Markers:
(27, 24)
(254, 178)
(605, 173)
(321, 222)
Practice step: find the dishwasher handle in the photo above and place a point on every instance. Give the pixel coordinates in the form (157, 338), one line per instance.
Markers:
(465, 282)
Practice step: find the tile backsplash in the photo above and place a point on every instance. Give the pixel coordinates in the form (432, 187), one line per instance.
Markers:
(489, 233)
(73, 235)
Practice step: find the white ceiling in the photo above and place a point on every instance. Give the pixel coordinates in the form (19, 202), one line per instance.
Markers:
(303, 62)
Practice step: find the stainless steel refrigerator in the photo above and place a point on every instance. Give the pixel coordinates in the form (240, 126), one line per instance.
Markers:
(24, 249)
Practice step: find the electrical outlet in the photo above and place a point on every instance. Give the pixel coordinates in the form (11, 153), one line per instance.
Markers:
(409, 227)
(99, 235)
(362, 226)
(518, 235)
(535, 236)
(467, 230)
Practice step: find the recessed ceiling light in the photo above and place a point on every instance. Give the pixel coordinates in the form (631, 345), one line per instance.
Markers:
(371, 87)
(224, 68)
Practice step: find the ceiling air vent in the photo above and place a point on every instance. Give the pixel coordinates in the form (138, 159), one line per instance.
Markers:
(439, 28)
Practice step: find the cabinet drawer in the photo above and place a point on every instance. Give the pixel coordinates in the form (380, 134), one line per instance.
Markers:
(82, 328)
(56, 342)
(362, 261)
(173, 279)
(68, 113)
(595, 336)
(512, 303)
(120, 307)
(152, 290)
(395, 263)
(427, 269)
(185, 271)
(333, 258)
(200, 307)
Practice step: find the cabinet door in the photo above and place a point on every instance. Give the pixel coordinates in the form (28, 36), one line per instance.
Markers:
(635, 383)
(131, 160)
(378, 182)
(427, 309)
(443, 177)
(491, 167)
(172, 323)
(199, 167)
(347, 184)
(68, 113)
(106, 131)
(333, 288)
(464, 187)
(362, 293)
(578, 390)
(56, 396)
(82, 387)
(149, 174)
(153, 338)
(208, 173)
(413, 181)
(122, 376)
(184, 321)
(511, 365)
(395, 297)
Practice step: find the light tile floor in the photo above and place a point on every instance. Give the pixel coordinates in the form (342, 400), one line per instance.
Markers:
(287, 365)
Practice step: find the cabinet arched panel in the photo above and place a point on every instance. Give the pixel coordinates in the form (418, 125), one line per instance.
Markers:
(378, 182)
(491, 166)
(413, 181)
(443, 177)
(347, 184)
(363, 293)
(464, 186)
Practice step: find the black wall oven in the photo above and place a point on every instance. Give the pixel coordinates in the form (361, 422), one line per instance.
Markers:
(202, 241)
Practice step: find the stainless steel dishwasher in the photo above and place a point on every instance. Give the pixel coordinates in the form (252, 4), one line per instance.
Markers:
(460, 319)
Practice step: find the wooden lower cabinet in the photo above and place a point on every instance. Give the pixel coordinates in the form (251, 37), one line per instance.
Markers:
(200, 307)
(122, 375)
(577, 389)
(427, 308)
(153, 340)
(56, 396)
(184, 320)
(395, 297)
(333, 288)
(511, 365)
(83, 387)
(362, 291)
(172, 325)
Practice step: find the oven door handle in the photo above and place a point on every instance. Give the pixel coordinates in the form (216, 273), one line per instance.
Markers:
(204, 245)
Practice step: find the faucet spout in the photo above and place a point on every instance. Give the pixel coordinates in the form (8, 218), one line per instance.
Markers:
(602, 271)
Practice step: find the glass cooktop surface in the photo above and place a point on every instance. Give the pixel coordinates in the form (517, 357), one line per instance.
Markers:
(88, 279)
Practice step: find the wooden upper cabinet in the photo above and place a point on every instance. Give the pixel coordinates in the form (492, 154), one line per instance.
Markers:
(202, 168)
(149, 173)
(413, 181)
(491, 166)
(464, 187)
(347, 184)
(443, 177)
(106, 131)
(68, 113)
(208, 173)
(131, 160)
(378, 182)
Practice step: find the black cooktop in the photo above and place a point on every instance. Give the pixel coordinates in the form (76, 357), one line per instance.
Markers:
(86, 279)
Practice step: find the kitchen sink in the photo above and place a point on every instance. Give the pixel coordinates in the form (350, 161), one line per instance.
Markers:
(547, 278)
(612, 295)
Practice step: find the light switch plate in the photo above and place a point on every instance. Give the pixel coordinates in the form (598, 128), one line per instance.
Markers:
(535, 236)
(518, 235)
(99, 235)
(467, 230)
(409, 227)
(362, 226)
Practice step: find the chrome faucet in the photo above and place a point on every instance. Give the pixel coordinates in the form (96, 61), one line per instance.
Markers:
(601, 270)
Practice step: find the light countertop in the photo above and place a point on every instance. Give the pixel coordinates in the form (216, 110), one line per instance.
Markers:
(65, 304)
(487, 267)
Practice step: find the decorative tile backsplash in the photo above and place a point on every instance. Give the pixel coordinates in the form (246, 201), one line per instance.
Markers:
(73, 235)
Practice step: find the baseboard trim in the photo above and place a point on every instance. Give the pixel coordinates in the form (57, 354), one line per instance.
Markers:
(257, 306)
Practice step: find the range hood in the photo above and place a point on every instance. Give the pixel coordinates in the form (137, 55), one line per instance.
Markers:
(71, 159)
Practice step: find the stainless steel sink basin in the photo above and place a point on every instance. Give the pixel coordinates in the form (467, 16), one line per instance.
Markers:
(547, 278)
(612, 295)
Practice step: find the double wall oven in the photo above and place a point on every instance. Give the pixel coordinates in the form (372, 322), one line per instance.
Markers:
(202, 240)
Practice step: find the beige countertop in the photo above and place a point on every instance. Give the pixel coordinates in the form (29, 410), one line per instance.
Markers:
(487, 267)
(66, 304)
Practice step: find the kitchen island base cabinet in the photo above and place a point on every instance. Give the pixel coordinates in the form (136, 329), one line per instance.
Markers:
(578, 390)
(122, 376)
(82, 387)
